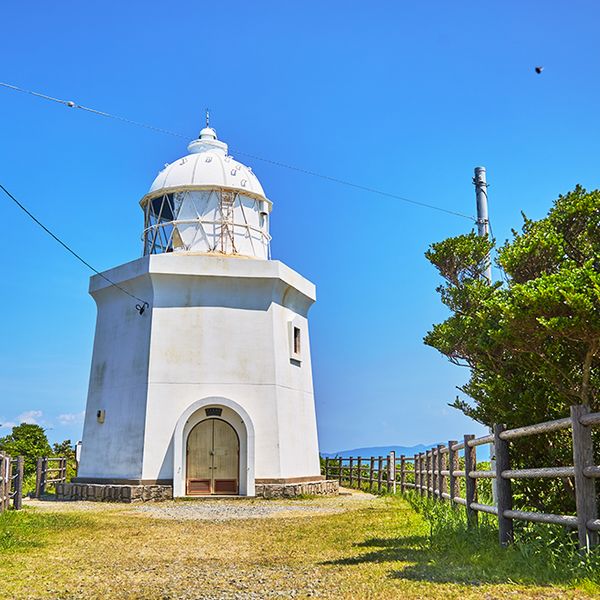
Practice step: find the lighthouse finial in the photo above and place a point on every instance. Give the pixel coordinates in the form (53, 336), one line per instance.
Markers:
(207, 117)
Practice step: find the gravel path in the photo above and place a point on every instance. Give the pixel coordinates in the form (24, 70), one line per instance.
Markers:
(219, 510)
(225, 510)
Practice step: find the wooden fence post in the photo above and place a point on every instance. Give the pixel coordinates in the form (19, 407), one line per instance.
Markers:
(18, 497)
(379, 473)
(371, 473)
(326, 468)
(403, 473)
(44, 476)
(350, 473)
(504, 496)
(585, 487)
(422, 478)
(428, 465)
(470, 482)
(426, 473)
(340, 469)
(9, 477)
(391, 471)
(39, 467)
(440, 467)
(434, 472)
(436, 475)
(417, 464)
(431, 482)
(359, 461)
(2, 482)
(452, 466)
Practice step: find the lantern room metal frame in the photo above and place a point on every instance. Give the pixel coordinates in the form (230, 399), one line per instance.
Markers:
(161, 220)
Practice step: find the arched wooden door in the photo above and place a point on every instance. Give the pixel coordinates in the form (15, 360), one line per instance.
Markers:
(213, 456)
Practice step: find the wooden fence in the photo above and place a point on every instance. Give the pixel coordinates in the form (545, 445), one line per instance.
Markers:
(375, 473)
(49, 471)
(11, 482)
(436, 474)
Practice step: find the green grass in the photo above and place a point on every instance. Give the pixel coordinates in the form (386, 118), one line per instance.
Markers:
(26, 529)
(541, 554)
(368, 548)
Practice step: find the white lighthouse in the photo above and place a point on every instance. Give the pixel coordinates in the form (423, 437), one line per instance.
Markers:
(209, 390)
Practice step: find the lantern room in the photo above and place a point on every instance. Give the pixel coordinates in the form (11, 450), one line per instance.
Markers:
(207, 203)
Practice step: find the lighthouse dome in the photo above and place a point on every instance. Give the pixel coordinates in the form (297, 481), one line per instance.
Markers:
(207, 202)
(208, 164)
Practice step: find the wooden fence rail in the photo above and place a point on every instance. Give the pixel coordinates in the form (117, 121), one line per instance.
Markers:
(11, 482)
(49, 471)
(436, 474)
(371, 473)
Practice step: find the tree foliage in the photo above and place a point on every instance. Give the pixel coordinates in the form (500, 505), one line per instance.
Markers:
(64, 449)
(29, 441)
(532, 342)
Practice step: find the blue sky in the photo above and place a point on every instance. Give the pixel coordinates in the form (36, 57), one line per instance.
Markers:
(404, 97)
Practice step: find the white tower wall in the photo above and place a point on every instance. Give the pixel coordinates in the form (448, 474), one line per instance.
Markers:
(218, 329)
(118, 386)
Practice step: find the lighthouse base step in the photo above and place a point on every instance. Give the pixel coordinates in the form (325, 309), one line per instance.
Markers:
(104, 492)
(292, 490)
(101, 492)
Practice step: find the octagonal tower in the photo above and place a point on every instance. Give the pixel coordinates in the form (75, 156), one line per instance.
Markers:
(209, 390)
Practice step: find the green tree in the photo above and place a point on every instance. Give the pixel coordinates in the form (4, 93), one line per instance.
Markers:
(29, 441)
(532, 343)
(64, 449)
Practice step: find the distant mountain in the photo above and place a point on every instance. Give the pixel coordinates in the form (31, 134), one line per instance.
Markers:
(379, 451)
(483, 452)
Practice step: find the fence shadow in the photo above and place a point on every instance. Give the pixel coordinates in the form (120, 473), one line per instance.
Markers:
(424, 563)
(405, 549)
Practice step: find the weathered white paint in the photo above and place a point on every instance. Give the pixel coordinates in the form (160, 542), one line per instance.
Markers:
(217, 331)
(208, 164)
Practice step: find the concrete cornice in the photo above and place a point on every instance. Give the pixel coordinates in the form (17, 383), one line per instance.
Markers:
(201, 265)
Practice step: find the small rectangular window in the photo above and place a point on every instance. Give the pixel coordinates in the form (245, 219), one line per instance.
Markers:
(296, 340)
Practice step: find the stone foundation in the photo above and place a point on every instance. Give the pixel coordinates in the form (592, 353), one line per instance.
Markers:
(290, 490)
(100, 492)
(103, 492)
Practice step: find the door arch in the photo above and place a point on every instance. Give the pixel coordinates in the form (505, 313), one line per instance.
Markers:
(212, 458)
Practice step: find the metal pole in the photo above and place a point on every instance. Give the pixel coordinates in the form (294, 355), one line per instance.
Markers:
(483, 222)
(483, 230)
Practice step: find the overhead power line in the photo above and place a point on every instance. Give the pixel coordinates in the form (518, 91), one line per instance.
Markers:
(72, 104)
(139, 307)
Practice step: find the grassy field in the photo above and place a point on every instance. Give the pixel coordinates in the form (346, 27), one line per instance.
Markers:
(348, 548)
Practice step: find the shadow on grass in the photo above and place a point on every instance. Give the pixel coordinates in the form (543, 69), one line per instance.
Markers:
(462, 563)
